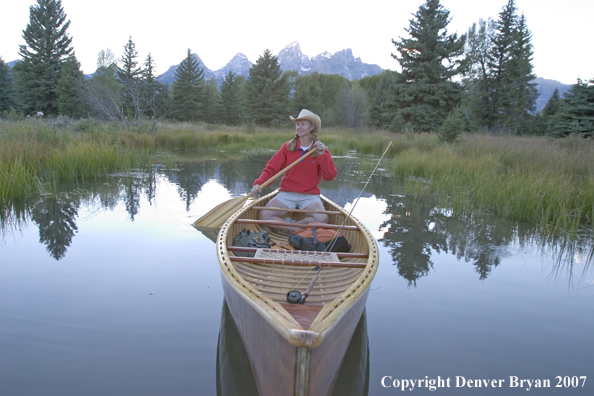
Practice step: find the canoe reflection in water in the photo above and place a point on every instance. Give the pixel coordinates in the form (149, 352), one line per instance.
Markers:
(234, 371)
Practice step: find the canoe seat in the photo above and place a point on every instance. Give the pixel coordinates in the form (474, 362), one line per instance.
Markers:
(294, 255)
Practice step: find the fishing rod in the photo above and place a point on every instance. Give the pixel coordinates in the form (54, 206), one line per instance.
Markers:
(296, 297)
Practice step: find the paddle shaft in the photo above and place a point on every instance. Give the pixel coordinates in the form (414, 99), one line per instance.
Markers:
(217, 216)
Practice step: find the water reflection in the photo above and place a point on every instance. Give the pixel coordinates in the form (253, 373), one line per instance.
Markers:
(417, 228)
(412, 229)
(234, 375)
(55, 216)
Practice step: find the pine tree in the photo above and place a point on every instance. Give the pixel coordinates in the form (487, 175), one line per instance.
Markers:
(130, 70)
(7, 89)
(268, 91)
(188, 89)
(129, 74)
(381, 113)
(148, 73)
(553, 104)
(576, 112)
(502, 42)
(513, 96)
(477, 78)
(155, 97)
(522, 92)
(452, 127)
(149, 85)
(211, 102)
(47, 46)
(70, 88)
(231, 100)
(429, 58)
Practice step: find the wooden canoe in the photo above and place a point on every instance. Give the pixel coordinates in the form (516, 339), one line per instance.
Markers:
(234, 375)
(296, 349)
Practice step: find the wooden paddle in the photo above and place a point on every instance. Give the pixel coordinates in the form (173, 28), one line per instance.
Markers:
(217, 216)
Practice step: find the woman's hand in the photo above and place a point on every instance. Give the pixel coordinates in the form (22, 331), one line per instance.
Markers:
(255, 190)
(320, 148)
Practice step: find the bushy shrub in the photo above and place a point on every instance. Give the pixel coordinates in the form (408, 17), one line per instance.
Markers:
(452, 127)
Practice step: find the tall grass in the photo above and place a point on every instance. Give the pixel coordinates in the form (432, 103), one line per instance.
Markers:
(532, 179)
(32, 153)
(547, 182)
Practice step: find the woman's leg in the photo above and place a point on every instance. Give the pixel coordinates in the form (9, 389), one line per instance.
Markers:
(313, 218)
(275, 215)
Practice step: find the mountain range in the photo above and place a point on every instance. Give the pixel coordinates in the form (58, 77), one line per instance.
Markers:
(290, 58)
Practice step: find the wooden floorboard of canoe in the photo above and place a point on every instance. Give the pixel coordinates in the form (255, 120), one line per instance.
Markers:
(304, 314)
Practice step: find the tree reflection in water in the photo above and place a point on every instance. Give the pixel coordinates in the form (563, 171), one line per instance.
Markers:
(416, 228)
(56, 219)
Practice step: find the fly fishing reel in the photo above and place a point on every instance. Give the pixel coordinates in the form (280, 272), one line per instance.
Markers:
(295, 297)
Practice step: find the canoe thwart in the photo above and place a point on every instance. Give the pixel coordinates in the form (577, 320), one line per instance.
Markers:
(298, 225)
(295, 210)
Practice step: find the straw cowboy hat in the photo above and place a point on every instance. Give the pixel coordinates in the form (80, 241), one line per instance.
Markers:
(309, 116)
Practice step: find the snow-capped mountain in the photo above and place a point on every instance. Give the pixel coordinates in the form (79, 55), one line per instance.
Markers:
(290, 58)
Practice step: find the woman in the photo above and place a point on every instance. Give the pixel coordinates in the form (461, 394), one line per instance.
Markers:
(299, 186)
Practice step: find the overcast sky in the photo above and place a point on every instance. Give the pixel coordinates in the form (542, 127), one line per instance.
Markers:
(219, 29)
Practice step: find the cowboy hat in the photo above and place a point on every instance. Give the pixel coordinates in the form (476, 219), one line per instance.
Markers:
(309, 116)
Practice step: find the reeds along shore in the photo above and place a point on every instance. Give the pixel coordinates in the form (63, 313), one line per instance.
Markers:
(536, 179)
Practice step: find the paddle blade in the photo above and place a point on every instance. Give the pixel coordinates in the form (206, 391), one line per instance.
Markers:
(217, 216)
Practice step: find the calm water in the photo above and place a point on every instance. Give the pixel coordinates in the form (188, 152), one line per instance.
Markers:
(107, 289)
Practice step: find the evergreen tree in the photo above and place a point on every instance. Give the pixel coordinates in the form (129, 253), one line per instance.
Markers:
(70, 88)
(210, 107)
(429, 58)
(8, 100)
(502, 42)
(148, 73)
(543, 122)
(130, 70)
(513, 96)
(47, 46)
(381, 114)
(522, 92)
(155, 97)
(268, 91)
(477, 79)
(553, 105)
(452, 127)
(149, 86)
(129, 74)
(188, 89)
(231, 100)
(576, 112)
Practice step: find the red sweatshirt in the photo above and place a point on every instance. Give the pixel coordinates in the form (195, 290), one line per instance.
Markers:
(303, 177)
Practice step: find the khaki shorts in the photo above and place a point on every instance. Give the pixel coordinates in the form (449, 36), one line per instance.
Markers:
(295, 200)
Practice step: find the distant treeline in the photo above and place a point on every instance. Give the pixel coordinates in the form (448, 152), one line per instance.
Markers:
(480, 81)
